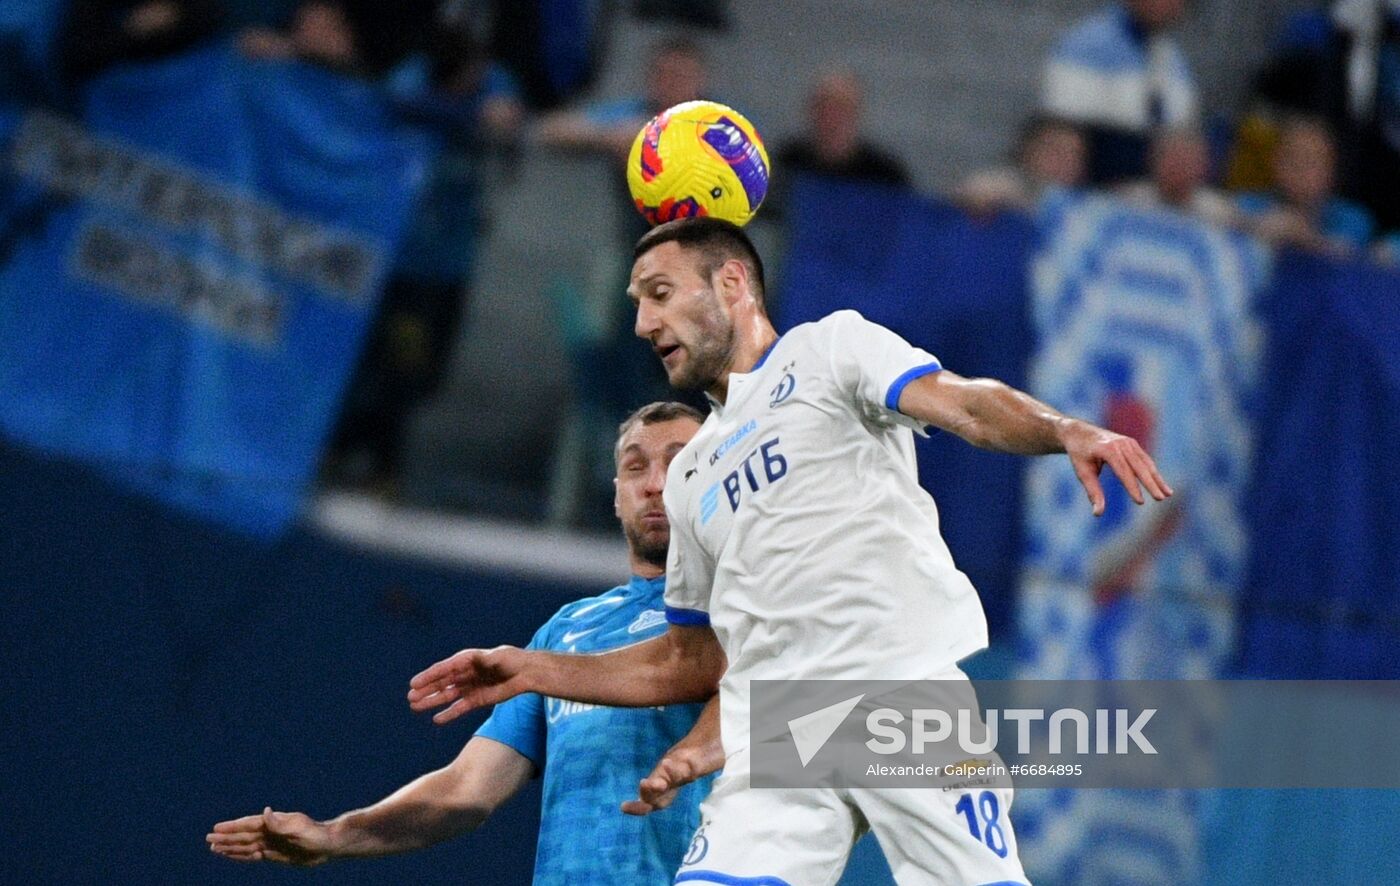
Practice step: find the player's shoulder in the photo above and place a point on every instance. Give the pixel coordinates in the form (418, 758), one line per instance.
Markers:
(833, 328)
(585, 608)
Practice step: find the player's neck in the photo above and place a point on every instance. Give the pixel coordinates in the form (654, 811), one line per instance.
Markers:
(644, 568)
(754, 338)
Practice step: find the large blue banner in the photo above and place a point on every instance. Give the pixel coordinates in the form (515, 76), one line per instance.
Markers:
(1324, 577)
(1146, 327)
(188, 271)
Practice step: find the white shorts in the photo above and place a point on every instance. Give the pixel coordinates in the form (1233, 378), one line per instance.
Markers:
(803, 836)
(961, 836)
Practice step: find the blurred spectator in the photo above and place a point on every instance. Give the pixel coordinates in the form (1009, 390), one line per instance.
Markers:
(351, 36)
(551, 46)
(469, 104)
(676, 72)
(833, 144)
(1121, 76)
(101, 33)
(1050, 153)
(1180, 173)
(1303, 209)
(1340, 62)
(320, 32)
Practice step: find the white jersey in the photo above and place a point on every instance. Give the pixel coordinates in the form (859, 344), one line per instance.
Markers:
(799, 530)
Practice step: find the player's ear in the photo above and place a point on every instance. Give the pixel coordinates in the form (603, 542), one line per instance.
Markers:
(617, 503)
(733, 280)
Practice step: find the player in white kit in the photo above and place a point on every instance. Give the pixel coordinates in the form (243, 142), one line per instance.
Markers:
(802, 547)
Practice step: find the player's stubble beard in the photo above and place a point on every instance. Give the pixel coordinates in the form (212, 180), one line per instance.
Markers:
(712, 351)
(648, 547)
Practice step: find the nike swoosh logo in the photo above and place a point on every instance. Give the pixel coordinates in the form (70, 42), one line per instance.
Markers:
(571, 636)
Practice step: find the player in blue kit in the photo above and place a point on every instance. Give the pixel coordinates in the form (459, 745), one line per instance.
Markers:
(590, 756)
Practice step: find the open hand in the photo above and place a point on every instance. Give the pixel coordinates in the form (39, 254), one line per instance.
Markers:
(284, 837)
(1090, 448)
(471, 679)
(674, 771)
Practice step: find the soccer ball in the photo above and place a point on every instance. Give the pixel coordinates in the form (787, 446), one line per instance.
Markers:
(698, 158)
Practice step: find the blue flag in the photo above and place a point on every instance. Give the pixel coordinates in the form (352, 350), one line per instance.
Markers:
(186, 273)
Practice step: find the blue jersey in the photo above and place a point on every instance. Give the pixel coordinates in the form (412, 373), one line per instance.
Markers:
(593, 757)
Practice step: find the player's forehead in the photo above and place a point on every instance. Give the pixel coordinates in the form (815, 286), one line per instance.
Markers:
(657, 439)
(669, 261)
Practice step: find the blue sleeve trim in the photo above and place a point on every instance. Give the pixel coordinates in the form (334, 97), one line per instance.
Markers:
(898, 385)
(728, 879)
(687, 617)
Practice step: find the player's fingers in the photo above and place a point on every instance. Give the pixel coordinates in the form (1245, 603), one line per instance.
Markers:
(444, 671)
(442, 696)
(652, 787)
(431, 686)
(1146, 471)
(427, 690)
(1087, 470)
(246, 823)
(452, 712)
(653, 792)
(637, 807)
(238, 853)
(1151, 467)
(660, 799)
(673, 772)
(1118, 463)
(230, 840)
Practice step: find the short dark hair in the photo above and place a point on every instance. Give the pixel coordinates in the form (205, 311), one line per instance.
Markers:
(655, 414)
(715, 239)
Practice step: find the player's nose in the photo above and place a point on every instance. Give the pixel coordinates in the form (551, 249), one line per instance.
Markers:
(648, 323)
(656, 480)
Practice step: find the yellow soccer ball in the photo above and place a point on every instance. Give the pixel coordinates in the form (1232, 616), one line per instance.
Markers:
(698, 158)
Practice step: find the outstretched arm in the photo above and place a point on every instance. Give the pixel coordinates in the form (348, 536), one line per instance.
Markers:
(435, 807)
(990, 414)
(695, 756)
(684, 664)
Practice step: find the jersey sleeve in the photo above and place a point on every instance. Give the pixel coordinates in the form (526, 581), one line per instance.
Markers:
(519, 723)
(874, 365)
(688, 582)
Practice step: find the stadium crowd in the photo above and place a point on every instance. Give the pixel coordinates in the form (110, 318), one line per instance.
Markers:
(1312, 161)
